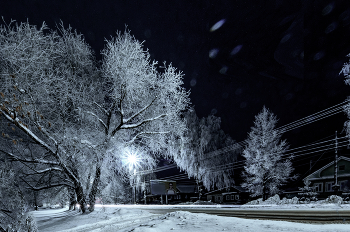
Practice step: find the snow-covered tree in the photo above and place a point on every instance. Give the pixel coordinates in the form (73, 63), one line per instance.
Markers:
(346, 72)
(54, 95)
(137, 105)
(265, 169)
(307, 192)
(13, 208)
(44, 76)
(195, 156)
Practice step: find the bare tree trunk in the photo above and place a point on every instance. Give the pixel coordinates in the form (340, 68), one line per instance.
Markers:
(264, 193)
(35, 201)
(72, 199)
(80, 197)
(94, 188)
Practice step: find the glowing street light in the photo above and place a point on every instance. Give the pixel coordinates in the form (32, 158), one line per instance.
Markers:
(133, 160)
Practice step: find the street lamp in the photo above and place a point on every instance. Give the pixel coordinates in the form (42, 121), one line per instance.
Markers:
(133, 160)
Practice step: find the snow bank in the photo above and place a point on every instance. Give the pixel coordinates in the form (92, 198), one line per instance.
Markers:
(198, 203)
(136, 220)
(275, 200)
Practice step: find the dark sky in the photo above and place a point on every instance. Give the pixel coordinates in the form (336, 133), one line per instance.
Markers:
(285, 55)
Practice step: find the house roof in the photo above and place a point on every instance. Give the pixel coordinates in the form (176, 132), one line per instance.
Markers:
(214, 191)
(157, 180)
(228, 193)
(186, 188)
(240, 189)
(326, 166)
(232, 189)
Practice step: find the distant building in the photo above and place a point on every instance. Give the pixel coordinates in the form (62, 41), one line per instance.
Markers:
(169, 192)
(233, 195)
(322, 180)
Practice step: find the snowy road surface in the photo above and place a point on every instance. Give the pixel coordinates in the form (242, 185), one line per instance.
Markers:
(129, 218)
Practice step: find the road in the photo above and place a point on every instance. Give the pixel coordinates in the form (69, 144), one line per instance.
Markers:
(46, 219)
(310, 215)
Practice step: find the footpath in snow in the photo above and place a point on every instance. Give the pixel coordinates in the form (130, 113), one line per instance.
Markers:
(127, 218)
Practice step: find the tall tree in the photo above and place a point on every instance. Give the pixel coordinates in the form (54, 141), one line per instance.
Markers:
(44, 75)
(137, 105)
(80, 114)
(265, 170)
(197, 154)
(346, 72)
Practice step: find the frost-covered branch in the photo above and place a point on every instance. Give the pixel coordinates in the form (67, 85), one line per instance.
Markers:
(26, 130)
(38, 161)
(139, 112)
(135, 125)
(125, 121)
(101, 108)
(144, 133)
(99, 119)
(35, 188)
(37, 172)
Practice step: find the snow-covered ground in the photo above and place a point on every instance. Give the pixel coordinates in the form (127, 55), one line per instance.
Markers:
(128, 218)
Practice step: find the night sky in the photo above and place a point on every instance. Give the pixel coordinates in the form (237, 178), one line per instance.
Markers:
(285, 55)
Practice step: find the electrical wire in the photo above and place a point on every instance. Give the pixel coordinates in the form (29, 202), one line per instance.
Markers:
(290, 126)
(314, 115)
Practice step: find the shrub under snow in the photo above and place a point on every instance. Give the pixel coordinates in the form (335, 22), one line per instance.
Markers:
(275, 200)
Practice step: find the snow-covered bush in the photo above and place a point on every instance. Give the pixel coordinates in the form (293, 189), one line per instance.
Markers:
(294, 200)
(308, 193)
(273, 200)
(346, 197)
(334, 199)
(13, 210)
(255, 202)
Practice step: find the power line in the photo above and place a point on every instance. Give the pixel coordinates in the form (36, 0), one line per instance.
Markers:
(240, 164)
(310, 117)
(233, 167)
(290, 126)
(307, 149)
(159, 169)
(313, 120)
(312, 144)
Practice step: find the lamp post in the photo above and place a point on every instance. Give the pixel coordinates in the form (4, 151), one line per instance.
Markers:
(134, 187)
(133, 160)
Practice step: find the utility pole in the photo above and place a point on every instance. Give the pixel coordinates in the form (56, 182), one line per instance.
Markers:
(336, 186)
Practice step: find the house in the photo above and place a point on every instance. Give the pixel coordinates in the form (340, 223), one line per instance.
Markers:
(322, 180)
(233, 195)
(169, 192)
(186, 192)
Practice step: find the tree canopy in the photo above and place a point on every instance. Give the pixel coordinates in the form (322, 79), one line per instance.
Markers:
(81, 114)
(265, 168)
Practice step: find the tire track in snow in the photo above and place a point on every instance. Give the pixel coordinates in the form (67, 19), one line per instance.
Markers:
(113, 224)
